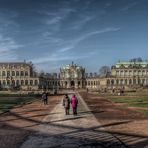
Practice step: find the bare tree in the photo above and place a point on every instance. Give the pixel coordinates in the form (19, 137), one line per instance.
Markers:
(139, 59)
(104, 71)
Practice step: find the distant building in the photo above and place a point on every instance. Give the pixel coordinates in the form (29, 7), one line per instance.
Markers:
(18, 74)
(72, 76)
(129, 74)
(123, 74)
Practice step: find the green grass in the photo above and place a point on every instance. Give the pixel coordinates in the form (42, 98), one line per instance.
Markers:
(128, 100)
(145, 104)
(145, 112)
(7, 103)
(19, 95)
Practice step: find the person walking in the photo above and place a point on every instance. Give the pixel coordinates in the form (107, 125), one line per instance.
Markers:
(45, 98)
(66, 104)
(74, 104)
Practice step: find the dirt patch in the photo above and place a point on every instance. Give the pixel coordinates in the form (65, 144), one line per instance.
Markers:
(16, 125)
(115, 117)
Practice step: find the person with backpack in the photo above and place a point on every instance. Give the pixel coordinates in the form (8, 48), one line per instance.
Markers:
(74, 104)
(66, 104)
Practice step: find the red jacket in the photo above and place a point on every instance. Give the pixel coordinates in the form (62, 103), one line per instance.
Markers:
(74, 101)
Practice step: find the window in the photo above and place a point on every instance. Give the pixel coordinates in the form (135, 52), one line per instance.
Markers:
(8, 82)
(26, 73)
(26, 82)
(13, 73)
(17, 82)
(36, 82)
(4, 82)
(17, 73)
(22, 82)
(22, 73)
(31, 82)
(3, 73)
(8, 73)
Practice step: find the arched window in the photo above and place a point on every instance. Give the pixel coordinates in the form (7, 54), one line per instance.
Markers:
(36, 82)
(17, 82)
(8, 82)
(117, 81)
(112, 82)
(26, 82)
(4, 82)
(17, 73)
(3, 73)
(22, 73)
(26, 73)
(31, 82)
(22, 82)
(13, 73)
(130, 81)
(108, 82)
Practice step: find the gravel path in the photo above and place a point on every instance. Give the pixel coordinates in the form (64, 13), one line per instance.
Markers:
(81, 131)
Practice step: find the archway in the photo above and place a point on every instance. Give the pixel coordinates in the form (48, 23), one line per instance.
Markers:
(72, 84)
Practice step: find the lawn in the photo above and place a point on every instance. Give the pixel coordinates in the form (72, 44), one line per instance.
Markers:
(128, 99)
(139, 101)
(6, 103)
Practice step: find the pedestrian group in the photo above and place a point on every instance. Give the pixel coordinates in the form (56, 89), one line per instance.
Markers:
(74, 103)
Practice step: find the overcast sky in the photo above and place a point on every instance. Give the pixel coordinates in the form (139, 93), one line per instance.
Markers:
(92, 33)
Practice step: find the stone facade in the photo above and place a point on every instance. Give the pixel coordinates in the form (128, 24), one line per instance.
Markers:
(123, 74)
(129, 74)
(20, 74)
(72, 76)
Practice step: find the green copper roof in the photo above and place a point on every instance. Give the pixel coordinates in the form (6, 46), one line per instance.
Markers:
(126, 64)
(71, 66)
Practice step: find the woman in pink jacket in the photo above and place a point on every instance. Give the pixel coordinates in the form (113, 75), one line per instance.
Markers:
(74, 104)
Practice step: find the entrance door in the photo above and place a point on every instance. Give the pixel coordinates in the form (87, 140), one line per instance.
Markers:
(72, 84)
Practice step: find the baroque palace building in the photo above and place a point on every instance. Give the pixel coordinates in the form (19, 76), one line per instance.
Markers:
(72, 76)
(18, 75)
(129, 74)
(123, 74)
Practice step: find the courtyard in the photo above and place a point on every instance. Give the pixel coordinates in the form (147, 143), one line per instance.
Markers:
(101, 122)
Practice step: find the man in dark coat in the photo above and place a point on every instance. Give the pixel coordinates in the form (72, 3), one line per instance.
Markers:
(45, 98)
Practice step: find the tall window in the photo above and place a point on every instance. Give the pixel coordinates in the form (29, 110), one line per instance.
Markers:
(13, 73)
(8, 73)
(31, 82)
(22, 73)
(36, 82)
(22, 82)
(4, 82)
(26, 73)
(3, 73)
(17, 73)
(17, 82)
(26, 82)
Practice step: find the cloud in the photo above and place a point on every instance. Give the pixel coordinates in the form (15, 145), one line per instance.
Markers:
(57, 57)
(66, 48)
(77, 25)
(129, 6)
(8, 48)
(71, 44)
(105, 30)
(7, 20)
